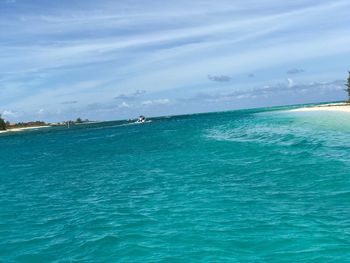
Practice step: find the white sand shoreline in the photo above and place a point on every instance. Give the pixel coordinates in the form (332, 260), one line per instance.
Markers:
(335, 107)
(25, 128)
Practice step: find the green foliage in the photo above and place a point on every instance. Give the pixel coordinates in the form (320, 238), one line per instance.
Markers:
(2, 124)
(79, 120)
(348, 85)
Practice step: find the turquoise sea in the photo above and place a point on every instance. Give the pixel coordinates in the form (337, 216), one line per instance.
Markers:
(261, 185)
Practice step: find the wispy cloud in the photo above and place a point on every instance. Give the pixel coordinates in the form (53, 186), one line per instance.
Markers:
(131, 96)
(8, 113)
(156, 102)
(295, 71)
(291, 83)
(124, 105)
(220, 78)
(70, 102)
(56, 54)
(333, 89)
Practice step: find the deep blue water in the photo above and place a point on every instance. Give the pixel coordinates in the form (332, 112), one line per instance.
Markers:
(243, 186)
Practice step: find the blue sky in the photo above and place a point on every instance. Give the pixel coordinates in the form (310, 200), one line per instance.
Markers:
(106, 60)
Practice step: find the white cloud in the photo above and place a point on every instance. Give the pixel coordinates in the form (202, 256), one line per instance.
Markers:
(8, 113)
(98, 52)
(124, 105)
(291, 83)
(156, 102)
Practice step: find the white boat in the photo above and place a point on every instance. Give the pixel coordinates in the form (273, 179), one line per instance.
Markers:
(141, 119)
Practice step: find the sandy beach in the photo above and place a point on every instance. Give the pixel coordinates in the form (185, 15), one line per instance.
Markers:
(337, 107)
(24, 128)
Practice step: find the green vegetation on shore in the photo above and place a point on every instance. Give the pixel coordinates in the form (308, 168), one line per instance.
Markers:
(2, 124)
(348, 89)
(27, 124)
(5, 125)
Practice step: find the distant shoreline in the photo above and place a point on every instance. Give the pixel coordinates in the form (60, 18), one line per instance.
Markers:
(24, 128)
(334, 107)
(330, 107)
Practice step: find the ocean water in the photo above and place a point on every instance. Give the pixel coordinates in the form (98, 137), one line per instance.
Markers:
(264, 185)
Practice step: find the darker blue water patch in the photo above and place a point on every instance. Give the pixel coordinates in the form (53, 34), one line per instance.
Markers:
(242, 186)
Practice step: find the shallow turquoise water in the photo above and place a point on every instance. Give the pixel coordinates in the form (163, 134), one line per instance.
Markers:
(242, 186)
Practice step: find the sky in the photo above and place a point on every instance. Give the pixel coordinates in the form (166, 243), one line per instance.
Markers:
(108, 60)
